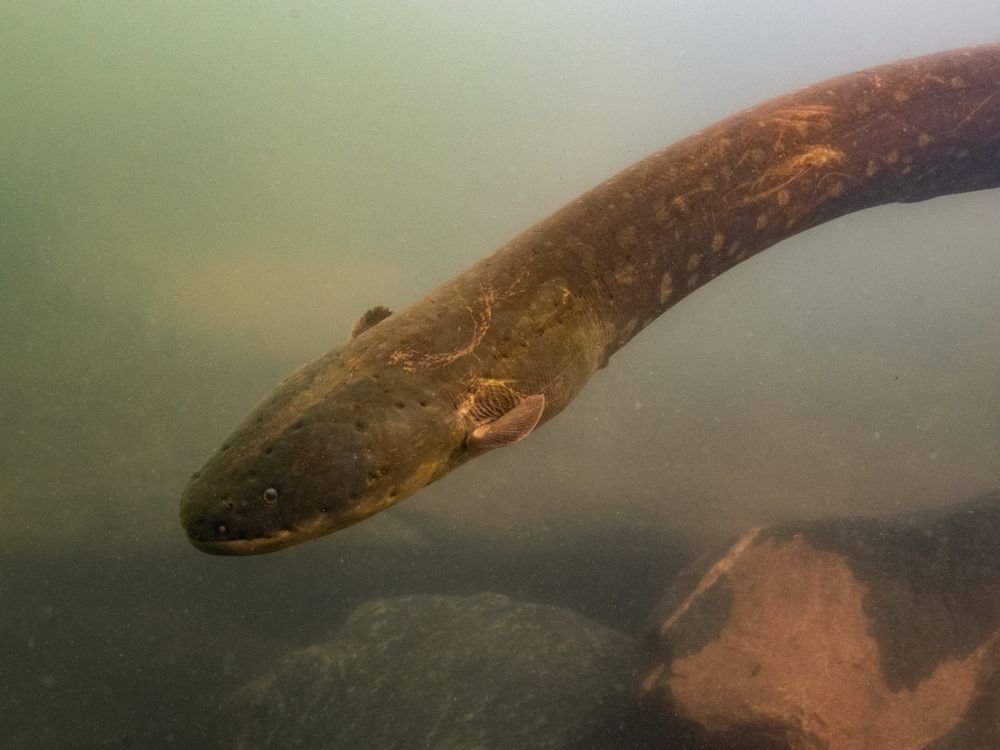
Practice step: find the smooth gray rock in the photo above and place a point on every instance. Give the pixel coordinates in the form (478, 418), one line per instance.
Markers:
(473, 673)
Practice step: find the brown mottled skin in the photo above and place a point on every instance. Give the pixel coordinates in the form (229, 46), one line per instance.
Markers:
(368, 424)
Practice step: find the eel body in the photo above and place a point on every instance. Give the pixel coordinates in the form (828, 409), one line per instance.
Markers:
(487, 356)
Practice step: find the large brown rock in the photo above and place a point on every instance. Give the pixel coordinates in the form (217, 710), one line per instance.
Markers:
(861, 634)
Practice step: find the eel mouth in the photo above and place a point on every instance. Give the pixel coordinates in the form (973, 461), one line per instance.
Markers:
(253, 546)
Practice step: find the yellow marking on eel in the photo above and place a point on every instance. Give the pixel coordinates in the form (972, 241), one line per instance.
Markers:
(792, 169)
(411, 360)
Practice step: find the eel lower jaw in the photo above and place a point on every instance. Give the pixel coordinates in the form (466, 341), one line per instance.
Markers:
(254, 546)
(259, 545)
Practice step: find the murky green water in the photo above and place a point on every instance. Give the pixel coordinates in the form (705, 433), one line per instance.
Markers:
(196, 198)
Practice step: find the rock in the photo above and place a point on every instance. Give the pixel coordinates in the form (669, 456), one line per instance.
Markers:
(842, 634)
(447, 672)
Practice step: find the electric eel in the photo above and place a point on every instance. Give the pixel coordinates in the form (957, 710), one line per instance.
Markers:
(485, 358)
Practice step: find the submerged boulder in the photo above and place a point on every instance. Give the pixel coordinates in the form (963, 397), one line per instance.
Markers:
(447, 672)
(839, 634)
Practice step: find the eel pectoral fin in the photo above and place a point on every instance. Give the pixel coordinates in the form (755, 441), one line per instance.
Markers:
(372, 317)
(511, 427)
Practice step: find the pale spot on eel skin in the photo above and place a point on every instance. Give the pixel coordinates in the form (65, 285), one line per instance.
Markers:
(626, 276)
(923, 140)
(718, 240)
(628, 238)
(871, 169)
(892, 157)
(761, 221)
(660, 211)
(783, 197)
(666, 287)
(693, 262)
(628, 331)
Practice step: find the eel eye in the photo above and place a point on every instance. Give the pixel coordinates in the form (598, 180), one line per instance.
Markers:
(270, 496)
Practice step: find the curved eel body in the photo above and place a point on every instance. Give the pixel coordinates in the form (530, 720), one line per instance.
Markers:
(509, 343)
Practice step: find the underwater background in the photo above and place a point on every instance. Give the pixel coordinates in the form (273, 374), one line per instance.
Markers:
(196, 198)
